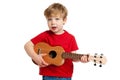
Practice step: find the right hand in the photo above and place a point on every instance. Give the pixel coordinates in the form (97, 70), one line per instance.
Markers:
(40, 61)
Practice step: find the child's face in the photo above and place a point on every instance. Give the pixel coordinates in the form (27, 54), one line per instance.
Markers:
(55, 24)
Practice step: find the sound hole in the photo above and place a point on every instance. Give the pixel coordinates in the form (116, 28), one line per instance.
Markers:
(52, 54)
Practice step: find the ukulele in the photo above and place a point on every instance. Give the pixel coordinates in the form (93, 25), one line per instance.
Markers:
(55, 55)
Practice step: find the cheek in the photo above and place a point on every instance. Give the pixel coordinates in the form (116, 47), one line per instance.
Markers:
(61, 24)
(48, 23)
(49, 26)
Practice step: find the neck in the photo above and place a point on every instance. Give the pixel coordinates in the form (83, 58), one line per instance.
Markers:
(72, 56)
(60, 32)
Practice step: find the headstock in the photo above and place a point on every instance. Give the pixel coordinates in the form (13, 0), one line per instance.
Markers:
(98, 59)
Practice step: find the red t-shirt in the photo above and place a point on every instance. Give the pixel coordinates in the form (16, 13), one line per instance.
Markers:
(68, 42)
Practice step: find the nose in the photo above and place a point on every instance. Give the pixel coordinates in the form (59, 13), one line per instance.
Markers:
(53, 22)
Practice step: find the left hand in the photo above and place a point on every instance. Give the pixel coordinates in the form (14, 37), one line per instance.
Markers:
(84, 58)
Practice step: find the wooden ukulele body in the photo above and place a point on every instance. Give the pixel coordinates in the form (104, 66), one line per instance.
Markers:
(52, 54)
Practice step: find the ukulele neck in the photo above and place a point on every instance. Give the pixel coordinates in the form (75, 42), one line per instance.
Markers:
(72, 56)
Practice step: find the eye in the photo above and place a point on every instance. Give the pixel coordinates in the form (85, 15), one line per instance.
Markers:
(49, 19)
(57, 18)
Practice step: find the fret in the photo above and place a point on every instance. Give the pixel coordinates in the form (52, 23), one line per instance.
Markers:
(72, 56)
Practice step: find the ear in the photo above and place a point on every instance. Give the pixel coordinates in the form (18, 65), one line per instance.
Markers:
(64, 20)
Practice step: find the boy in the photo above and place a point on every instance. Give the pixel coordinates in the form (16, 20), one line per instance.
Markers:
(56, 16)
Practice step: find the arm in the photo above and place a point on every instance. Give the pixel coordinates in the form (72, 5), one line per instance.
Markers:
(29, 48)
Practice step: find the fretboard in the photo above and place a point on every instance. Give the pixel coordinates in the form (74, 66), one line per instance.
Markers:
(72, 56)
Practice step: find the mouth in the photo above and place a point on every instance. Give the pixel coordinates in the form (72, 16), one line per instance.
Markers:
(53, 28)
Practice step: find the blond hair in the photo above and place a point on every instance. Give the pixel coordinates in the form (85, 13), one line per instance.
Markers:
(56, 9)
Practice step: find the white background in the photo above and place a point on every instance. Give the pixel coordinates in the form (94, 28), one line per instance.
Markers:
(95, 24)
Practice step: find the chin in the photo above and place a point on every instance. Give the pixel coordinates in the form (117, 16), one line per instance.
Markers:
(54, 31)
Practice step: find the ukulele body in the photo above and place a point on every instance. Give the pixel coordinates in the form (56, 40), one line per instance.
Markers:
(53, 55)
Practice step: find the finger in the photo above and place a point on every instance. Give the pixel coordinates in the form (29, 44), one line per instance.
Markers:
(43, 54)
(43, 65)
(43, 62)
(84, 58)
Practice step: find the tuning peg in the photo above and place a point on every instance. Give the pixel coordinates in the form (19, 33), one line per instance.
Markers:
(100, 64)
(95, 55)
(101, 55)
(94, 62)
